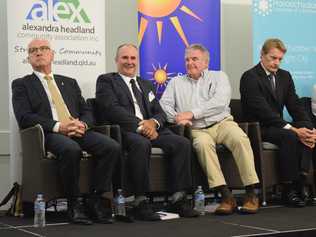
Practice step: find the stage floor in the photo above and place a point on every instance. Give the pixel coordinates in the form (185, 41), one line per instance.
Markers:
(270, 221)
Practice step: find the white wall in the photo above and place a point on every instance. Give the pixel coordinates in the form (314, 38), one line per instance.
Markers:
(236, 41)
(121, 26)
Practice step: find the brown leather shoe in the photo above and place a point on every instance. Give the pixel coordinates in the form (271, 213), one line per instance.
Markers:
(226, 207)
(250, 205)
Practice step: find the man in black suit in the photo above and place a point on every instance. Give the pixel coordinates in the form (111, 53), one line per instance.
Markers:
(265, 89)
(55, 102)
(125, 99)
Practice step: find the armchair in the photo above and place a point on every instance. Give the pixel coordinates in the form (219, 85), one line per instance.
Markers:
(39, 166)
(158, 171)
(265, 154)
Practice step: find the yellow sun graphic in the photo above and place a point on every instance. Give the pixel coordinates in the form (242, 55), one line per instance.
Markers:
(160, 76)
(162, 8)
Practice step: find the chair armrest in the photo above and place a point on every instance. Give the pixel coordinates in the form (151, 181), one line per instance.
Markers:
(244, 126)
(254, 134)
(33, 142)
(112, 130)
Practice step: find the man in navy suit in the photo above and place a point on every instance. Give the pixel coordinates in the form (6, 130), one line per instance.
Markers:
(265, 90)
(55, 102)
(127, 100)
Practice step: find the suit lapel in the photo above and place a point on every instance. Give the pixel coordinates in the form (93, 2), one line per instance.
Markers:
(265, 81)
(120, 81)
(37, 84)
(145, 91)
(62, 88)
(278, 88)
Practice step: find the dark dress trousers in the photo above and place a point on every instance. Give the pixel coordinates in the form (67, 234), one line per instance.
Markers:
(31, 106)
(263, 104)
(115, 104)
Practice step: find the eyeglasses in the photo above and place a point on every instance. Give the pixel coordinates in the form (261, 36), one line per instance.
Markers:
(36, 49)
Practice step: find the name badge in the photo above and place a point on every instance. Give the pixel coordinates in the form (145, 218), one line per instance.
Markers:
(151, 96)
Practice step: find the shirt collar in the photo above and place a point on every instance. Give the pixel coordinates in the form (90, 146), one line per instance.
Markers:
(126, 78)
(41, 75)
(265, 70)
(203, 73)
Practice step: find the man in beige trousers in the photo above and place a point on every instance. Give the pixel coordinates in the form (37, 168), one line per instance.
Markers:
(201, 99)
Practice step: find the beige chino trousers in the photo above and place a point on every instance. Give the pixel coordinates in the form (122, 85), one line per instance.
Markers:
(228, 133)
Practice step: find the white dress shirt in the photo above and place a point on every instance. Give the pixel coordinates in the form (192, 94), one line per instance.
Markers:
(52, 105)
(127, 80)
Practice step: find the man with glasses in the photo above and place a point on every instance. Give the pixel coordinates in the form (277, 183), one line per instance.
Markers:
(265, 90)
(55, 102)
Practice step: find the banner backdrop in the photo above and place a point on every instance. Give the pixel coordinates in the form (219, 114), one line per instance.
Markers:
(293, 22)
(76, 30)
(167, 27)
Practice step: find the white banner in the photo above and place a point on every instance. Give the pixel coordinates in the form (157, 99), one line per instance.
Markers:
(76, 30)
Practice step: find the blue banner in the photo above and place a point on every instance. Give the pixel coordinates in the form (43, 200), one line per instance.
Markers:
(167, 27)
(293, 22)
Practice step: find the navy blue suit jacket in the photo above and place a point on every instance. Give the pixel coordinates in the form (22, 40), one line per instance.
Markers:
(115, 103)
(31, 105)
(260, 103)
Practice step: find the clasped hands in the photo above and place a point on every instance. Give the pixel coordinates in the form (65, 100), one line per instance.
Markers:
(306, 136)
(184, 118)
(72, 128)
(148, 129)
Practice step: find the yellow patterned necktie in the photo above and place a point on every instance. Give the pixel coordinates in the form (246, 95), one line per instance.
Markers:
(61, 107)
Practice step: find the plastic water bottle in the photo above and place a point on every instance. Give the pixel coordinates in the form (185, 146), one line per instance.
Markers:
(199, 201)
(39, 211)
(120, 204)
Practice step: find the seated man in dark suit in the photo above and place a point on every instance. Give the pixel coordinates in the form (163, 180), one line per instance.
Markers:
(309, 104)
(265, 89)
(127, 100)
(55, 102)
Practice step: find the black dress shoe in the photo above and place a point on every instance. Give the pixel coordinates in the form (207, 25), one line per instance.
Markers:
(292, 199)
(311, 201)
(76, 212)
(304, 193)
(99, 209)
(183, 208)
(144, 212)
(308, 197)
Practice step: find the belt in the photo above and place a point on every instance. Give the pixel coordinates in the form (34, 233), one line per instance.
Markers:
(209, 126)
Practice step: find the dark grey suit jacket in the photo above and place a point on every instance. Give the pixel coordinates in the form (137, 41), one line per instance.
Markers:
(31, 105)
(115, 103)
(260, 103)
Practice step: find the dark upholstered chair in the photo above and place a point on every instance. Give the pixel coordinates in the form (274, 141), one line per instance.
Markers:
(265, 154)
(39, 166)
(158, 166)
(265, 157)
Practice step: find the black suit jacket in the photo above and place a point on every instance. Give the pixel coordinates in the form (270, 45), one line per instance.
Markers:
(31, 105)
(115, 103)
(260, 103)
(307, 105)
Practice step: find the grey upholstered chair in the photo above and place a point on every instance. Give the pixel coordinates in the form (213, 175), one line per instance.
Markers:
(39, 166)
(158, 165)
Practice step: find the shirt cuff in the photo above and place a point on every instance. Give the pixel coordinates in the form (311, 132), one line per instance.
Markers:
(197, 113)
(287, 126)
(56, 127)
(85, 125)
(156, 121)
